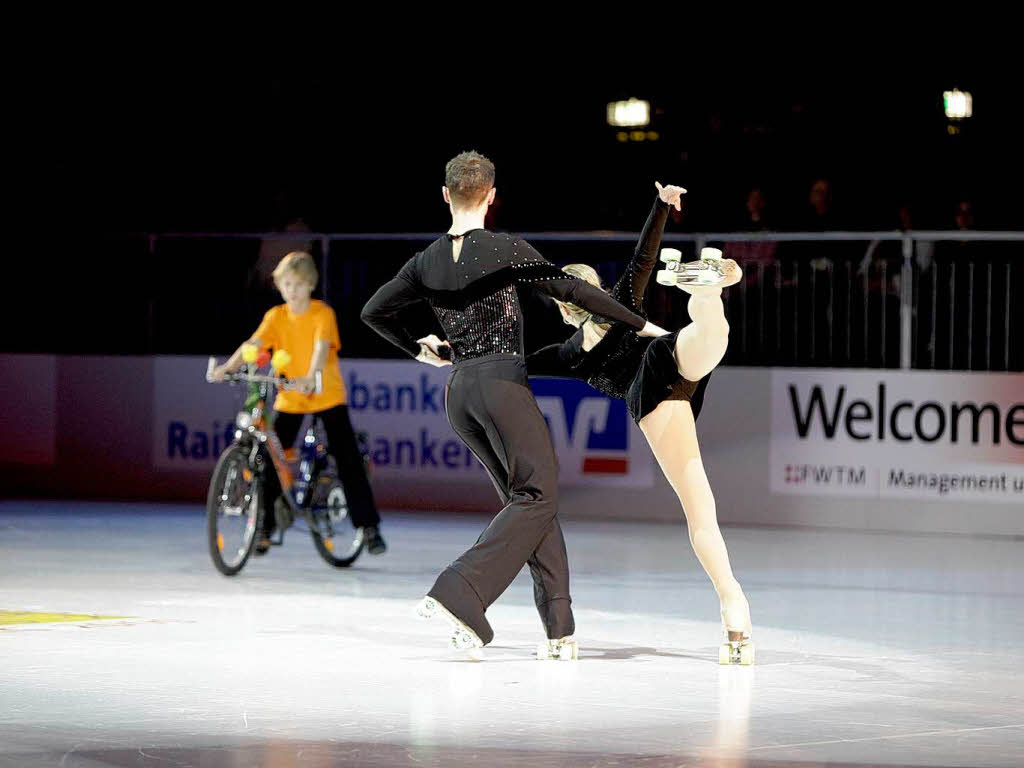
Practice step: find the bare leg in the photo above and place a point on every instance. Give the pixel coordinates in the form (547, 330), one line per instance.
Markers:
(672, 434)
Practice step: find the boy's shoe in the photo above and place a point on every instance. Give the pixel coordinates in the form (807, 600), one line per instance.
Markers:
(375, 543)
(278, 516)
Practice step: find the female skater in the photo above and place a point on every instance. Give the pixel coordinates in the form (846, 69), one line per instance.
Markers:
(662, 381)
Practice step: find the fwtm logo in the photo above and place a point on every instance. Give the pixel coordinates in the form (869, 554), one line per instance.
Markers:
(824, 474)
(590, 431)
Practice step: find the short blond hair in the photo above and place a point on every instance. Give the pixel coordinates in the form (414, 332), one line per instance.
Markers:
(300, 264)
(583, 272)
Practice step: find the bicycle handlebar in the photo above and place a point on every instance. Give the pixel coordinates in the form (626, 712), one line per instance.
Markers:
(279, 381)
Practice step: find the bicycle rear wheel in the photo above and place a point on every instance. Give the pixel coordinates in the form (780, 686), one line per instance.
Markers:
(234, 510)
(337, 540)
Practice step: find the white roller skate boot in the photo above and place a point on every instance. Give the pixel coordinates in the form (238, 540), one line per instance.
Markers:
(737, 647)
(563, 649)
(463, 638)
(711, 271)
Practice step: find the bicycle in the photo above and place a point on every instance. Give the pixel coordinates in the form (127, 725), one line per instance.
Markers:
(235, 502)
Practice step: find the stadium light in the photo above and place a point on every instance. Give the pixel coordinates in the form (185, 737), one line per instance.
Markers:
(958, 104)
(632, 113)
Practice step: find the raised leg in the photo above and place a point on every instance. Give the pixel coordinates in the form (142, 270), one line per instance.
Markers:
(701, 345)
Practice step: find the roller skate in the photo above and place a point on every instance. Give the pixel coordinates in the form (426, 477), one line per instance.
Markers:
(564, 649)
(463, 638)
(737, 648)
(711, 271)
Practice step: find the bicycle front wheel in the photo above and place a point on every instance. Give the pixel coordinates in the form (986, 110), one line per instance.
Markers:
(234, 508)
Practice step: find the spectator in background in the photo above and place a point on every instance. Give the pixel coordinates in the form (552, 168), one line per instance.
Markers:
(959, 320)
(755, 219)
(261, 291)
(756, 256)
(964, 216)
(760, 274)
(819, 215)
(273, 250)
(924, 278)
(880, 274)
(811, 269)
(924, 250)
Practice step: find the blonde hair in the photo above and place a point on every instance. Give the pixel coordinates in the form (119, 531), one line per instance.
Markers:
(583, 272)
(300, 264)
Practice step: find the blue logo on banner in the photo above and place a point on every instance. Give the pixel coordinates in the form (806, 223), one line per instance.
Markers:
(592, 424)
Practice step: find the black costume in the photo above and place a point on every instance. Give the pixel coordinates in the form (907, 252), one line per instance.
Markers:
(641, 371)
(491, 408)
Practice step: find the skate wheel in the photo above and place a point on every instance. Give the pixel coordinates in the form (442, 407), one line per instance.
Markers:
(746, 655)
(725, 654)
(671, 254)
(569, 652)
(666, 277)
(710, 253)
(464, 641)
(426, 608)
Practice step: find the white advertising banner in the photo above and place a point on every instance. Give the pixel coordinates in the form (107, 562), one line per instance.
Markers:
(898, 435)
(399, 405)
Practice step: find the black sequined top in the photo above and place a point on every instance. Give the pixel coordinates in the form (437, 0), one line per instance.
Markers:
(612, 364)
(475, 297)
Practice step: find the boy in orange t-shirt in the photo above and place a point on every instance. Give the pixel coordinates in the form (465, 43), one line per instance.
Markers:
(308, 330)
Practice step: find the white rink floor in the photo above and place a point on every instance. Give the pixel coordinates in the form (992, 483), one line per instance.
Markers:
(873, 649)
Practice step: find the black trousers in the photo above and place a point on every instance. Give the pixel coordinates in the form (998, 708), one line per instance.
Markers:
(342, 445)
(491, 408)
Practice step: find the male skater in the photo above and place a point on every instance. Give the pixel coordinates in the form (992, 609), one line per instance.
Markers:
(469, 278)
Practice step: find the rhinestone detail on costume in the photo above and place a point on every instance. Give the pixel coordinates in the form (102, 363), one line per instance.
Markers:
(489, 326)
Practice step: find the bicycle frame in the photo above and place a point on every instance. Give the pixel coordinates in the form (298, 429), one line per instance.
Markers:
(253, 425)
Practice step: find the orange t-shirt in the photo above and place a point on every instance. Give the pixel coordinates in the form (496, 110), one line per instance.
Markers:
(297, 335)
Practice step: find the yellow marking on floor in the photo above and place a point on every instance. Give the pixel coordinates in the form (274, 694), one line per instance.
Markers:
(32, 617)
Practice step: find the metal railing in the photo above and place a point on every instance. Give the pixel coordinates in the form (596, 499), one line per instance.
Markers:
(868, 299)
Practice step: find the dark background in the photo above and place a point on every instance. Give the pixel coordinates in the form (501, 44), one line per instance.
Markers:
(123, 151)
(157, 150)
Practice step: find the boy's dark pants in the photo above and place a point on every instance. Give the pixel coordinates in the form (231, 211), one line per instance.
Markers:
(342, 445)
(490, 406)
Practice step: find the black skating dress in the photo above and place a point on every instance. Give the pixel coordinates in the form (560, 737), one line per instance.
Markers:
(641, 371)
